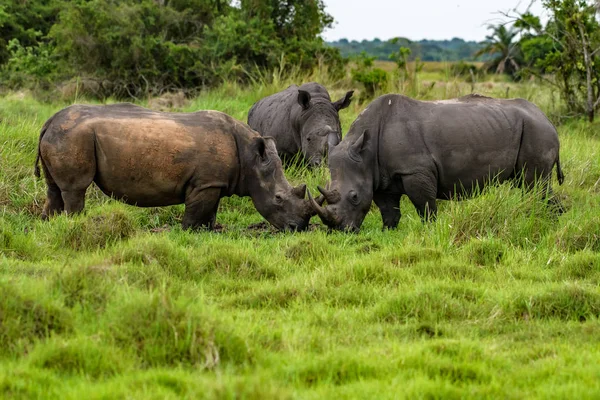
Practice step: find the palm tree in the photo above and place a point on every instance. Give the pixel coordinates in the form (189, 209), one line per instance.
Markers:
(506, 54)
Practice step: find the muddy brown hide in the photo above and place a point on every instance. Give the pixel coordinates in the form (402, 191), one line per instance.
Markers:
(149, 159)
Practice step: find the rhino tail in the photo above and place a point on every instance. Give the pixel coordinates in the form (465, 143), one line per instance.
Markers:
(559, 173)
(36, 170)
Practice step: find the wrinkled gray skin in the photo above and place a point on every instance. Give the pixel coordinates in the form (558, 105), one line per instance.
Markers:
(434, 150)
(300, 119)
(150, 159)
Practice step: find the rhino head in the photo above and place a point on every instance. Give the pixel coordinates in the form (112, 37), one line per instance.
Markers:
(284, 206)
(318, 123)
(349, 196)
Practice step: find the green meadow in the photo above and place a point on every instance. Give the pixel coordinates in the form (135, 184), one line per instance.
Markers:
(499, 298)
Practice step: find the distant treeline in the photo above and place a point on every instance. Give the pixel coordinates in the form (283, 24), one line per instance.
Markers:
(427, 50)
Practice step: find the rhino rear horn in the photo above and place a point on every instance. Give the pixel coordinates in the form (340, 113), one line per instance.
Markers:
(299, 191)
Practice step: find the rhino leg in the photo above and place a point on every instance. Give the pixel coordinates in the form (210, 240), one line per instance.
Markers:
(421, 189)
(201, 208)
(539, 170)
(389, 206)
(54, 202)
(74, 200)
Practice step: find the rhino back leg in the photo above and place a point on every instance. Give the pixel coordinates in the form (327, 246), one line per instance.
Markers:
(389, 206)
(201, 208)
(537, 156)
(70, 160)
(421, 189)
(54, 202)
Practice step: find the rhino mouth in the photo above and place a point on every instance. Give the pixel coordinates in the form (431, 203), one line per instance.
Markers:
(295, 227)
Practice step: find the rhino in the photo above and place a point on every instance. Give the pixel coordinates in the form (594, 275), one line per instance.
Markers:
(149, 159)
(434, 150)
(301, 119)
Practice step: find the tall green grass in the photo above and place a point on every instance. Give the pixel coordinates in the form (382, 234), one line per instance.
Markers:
(497, 299)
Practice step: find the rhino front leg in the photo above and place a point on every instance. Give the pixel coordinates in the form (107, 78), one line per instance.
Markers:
(389, 206)
(421, 189)
(201, 208)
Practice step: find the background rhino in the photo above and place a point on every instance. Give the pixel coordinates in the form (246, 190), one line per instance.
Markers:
(148, 159)
(300, 119)
(434, 150)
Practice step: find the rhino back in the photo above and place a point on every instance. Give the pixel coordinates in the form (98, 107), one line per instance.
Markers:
(272, 116)
(150, 158)
(462, 142)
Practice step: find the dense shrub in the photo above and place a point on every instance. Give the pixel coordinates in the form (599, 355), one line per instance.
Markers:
(132, 48)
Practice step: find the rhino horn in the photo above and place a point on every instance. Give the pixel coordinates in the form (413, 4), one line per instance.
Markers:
(299, 191)
(332, 140)
(332, 196)
(326, 216)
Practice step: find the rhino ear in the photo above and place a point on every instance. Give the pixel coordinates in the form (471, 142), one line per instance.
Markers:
(260, 148)
(358, 148)
(344, 102)
(304, 99)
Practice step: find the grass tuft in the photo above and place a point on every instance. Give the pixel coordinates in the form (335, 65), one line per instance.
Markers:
(582, 265)
(235, 262)
(90, 232)
(485, 252)
(338, 369)
(584, 234)
(28, 315)
(410, 256)
(82, 356)
(86, 286)
(309, 251)
(567, 302)
(166, 332)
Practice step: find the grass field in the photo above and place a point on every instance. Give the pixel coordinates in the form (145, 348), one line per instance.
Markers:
(497, 299)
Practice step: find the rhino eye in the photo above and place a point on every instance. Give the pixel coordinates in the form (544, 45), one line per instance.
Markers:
(353, 197)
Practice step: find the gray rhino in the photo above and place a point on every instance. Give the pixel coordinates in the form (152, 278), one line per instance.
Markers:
(434, 150)
(301, 120)
(149, 159)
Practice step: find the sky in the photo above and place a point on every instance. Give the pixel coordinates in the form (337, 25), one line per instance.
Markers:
(418, 19)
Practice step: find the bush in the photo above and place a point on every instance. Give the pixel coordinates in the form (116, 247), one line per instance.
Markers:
(138, 47)
(373, 79)
(464, 70)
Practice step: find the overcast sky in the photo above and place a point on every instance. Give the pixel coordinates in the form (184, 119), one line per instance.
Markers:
(417, 19)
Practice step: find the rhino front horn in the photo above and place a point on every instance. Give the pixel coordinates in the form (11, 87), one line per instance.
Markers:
(299, 191)
(332, 196)
(326, 216)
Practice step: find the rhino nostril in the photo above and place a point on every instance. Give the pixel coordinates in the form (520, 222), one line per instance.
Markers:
(293, 226)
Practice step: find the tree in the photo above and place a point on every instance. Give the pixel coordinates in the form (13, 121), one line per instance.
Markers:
(569, 48)
(504, 50)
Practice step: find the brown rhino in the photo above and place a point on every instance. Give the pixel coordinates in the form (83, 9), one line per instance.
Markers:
(147, 158)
